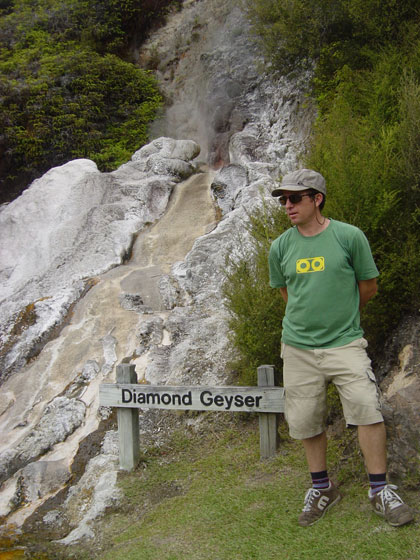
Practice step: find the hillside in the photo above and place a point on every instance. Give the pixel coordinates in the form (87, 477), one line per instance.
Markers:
(157, 256)
(205, 494)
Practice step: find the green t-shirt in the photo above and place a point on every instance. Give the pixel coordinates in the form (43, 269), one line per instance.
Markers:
(321, 274)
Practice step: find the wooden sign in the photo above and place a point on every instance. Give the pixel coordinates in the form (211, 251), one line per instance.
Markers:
(230, 399)
(128, 396)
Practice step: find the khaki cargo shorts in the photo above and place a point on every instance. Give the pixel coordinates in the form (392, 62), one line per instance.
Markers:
(306, 374)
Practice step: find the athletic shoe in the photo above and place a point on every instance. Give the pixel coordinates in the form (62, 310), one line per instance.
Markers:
(317, 501)
(389, 505)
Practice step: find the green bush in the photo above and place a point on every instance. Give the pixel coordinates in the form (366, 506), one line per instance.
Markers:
(327, 34)
(67, 87)
(66, 102)
(367, 148)
(294, 32)
(255, 309)
(366, 142)
(107, 26)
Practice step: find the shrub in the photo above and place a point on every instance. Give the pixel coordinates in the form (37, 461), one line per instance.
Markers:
(255, 309)
(367, 148)
(327, 34)
(294, 32)
(65, 103)
(65, 92)
(366, 142)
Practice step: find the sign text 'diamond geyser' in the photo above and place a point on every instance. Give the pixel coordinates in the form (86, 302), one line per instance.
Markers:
(233, 399)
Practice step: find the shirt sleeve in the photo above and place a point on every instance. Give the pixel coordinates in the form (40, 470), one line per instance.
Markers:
(363, 263)
(277, 279)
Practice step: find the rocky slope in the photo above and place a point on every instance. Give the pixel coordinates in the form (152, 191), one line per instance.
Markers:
(88, 281)
(98, 268)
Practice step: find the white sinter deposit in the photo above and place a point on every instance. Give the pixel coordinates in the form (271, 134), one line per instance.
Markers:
(101, 267)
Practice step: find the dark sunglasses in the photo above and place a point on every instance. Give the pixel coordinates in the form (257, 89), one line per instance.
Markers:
(294, 198)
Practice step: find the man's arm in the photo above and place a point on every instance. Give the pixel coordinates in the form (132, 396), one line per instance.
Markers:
(367, 289)
(283, 292)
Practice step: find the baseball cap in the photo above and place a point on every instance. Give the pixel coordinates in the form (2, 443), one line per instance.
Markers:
(300, 180)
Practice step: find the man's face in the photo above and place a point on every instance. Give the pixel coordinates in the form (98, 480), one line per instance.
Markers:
(303, 212)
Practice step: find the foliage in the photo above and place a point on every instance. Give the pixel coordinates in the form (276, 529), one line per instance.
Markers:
(72, 105)
(106, 26)
(366, 142)
(255, 309)
(293, 33)
(66, 90)
(329, 33)
(367, 147)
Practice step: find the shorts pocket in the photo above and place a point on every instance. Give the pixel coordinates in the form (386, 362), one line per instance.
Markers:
(372, 378)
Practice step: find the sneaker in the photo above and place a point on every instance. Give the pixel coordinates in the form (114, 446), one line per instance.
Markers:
(317, 502)
(389, 505)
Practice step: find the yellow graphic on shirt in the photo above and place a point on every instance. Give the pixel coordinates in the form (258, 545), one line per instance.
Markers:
(314, 264)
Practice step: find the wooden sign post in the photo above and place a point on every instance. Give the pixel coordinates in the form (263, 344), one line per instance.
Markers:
(266, 399)
(268, 422)
(128, 423)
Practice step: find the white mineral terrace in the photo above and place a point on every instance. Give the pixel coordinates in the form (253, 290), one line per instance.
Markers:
(100, 329)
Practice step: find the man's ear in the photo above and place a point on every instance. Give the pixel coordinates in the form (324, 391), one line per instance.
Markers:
(319, 197)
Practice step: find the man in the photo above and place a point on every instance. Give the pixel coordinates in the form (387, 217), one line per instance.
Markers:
(326, 274)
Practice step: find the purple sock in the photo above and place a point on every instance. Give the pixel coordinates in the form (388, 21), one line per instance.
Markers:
(377, 482)
(320, 480)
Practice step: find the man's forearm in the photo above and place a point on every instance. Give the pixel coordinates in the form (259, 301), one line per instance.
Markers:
(284, 295)
(367, 289)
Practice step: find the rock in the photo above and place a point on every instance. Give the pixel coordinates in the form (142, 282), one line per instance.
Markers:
(227, 183)
(258, 170)
(167, 149)
(39, 479)
(212, 108)
(190, 359)
(133, 302)
(401, 409)
(244, 147)
(167, 166)
(90, 371)
(6, 400)
(72, 224)
(109, 344)
(60, 418)
(96, 491)
(170, 292)
(150, 333)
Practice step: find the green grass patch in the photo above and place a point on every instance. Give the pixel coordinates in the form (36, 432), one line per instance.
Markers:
(213, 498)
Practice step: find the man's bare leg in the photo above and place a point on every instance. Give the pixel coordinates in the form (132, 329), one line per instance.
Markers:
(316, 452)
(372, 440)
(320, 497)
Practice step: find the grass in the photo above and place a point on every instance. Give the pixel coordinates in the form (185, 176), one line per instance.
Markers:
(211, 498)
